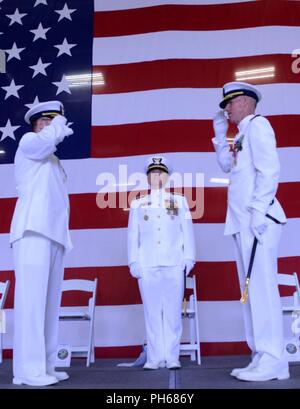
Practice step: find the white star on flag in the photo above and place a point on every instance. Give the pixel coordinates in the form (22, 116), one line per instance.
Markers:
(12, 89)
(35, 102)
(16, 17)
(40, 32)
(40, 2)
(62, 86)
(39, 68)
(65, 12)
(8, 130)
(64, 48)
(14, 52)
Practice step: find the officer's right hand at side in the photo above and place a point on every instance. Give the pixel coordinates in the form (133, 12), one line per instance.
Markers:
(188, 265)
(259, 224)
(220, 124)
(136, 270)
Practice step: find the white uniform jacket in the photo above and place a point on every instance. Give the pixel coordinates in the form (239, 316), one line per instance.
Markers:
(43, 202)
(160, 230)
(254, 177)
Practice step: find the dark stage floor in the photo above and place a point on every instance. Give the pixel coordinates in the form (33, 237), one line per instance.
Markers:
(104, 374)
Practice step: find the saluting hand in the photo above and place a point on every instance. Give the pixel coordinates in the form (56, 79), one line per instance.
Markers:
(62, 121)
(220, 124)
(68, 131)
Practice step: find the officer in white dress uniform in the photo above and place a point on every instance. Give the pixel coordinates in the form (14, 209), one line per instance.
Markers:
(253, 211)
(40, 237)
(161, 250)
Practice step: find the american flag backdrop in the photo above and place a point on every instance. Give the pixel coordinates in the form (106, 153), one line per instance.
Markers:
(157, 68)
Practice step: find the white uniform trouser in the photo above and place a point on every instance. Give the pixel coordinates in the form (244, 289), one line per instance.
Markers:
(262, 313)
(161, 290)
(39, 273)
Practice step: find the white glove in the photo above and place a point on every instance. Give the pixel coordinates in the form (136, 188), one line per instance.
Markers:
(259, 225)
(188, 265)
(136, 270)
(64, 130)
(59, 120)
(220, 124)
(68, 131)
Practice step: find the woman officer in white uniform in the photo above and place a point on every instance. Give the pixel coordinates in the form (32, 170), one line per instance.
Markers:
(39, 238)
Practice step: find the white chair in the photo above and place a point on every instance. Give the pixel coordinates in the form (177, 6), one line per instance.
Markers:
(192, 348)
(290, 280)
(81, 315)
(292, 345)
(4, 287)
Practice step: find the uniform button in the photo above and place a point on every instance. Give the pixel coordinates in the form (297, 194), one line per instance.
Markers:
(158, 229)
(158, 242)
(158, 216)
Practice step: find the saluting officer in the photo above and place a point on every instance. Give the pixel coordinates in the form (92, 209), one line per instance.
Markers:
(39, 236)
(161, 250)
(254, 212)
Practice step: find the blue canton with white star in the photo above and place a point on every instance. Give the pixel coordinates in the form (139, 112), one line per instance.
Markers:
(48, 49)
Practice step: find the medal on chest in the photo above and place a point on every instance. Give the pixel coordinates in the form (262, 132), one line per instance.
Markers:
(171, 207)
(235, 148)
(145, 206)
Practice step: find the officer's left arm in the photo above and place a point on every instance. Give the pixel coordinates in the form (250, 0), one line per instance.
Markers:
(265, 159)
(224, 156)
(189, 248)
(133, 234)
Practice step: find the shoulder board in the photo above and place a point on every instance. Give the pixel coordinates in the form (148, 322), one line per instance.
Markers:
(177, 194)
(141, 197)
(138, 198)
(254, 117)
